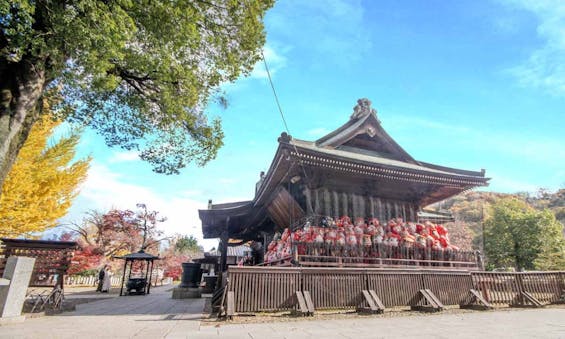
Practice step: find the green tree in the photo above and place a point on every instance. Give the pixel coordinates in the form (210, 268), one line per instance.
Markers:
(42, 183)
(516, 235)
(187, 244)
(552, 254)
(139, 72)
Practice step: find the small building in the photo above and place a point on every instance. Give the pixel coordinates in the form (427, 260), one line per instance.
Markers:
(52, 259)
(356, 170)
(211, 261)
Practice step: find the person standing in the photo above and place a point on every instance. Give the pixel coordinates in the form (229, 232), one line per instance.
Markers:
(107, 280)
(101, 275)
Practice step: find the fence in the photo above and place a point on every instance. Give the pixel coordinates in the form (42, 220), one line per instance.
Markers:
(257, 289)
(507, 288)
(114, 281)
(89, 280)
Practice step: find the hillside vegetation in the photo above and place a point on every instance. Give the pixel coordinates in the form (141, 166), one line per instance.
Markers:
(505, 226)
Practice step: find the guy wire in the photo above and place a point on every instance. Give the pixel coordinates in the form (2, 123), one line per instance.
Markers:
(306, 179)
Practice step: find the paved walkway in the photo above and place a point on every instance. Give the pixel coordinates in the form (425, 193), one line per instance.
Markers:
(158, 316)
(540, 323)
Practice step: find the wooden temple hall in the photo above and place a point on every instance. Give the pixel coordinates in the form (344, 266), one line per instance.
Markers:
(358, 170)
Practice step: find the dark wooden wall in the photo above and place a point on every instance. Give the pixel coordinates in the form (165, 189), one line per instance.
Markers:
(324, 201)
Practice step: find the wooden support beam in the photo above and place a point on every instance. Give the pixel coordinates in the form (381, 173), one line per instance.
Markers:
(377, 300)
(561, 298)
(369, 299)
(375, 303)
(435, 299)
(528, 297)
(309, 302)
(477, 298)
(302, 308)
(433, 304)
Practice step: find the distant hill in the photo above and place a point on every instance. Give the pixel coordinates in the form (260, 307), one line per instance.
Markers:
(471, 208)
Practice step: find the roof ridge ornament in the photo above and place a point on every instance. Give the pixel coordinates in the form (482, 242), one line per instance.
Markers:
(362, 109)
(285, 137)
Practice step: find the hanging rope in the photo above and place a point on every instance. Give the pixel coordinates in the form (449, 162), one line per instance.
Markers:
(306, 179)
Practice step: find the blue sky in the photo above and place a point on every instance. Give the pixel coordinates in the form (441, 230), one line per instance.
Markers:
(466, 84)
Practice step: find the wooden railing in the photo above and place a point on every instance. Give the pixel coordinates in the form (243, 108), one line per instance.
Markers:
(506, 288)
(257, 289)
(264, 288)
(378, 255)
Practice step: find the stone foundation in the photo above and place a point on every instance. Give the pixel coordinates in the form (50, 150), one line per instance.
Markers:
(187, 292)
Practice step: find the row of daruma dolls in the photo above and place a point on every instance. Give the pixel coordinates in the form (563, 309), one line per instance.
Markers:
(362, 233)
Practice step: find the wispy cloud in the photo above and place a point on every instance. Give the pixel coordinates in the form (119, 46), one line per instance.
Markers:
(125, 156)
(549, 151)
(403, 120)
(318, 132)
(545, 67)
(105, 189)
(336, 30)
(227, 181)
(275, 61)
(503, 183)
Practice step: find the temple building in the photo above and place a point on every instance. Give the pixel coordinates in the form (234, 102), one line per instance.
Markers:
(356, 170)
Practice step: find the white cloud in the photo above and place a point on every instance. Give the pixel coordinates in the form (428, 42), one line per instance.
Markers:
(124, 156)
(545, 151)
(336, 28)
(502, 183)
(545, 67)
(227, 181)
(105, 189)
(318, 132)
(275, 62)
(411, 122)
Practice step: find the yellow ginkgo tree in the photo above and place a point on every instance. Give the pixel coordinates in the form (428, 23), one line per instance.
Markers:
(43, 182)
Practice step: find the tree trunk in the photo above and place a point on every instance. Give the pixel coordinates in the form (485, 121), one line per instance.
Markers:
(21, 87)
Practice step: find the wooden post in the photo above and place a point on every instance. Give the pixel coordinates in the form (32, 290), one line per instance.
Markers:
(224, 249)
(520, 288)
(562, 283)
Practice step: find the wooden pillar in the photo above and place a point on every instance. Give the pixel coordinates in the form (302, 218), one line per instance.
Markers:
(224, 249)
(335, 201)
(317, 203)
(380, 211)
(308, 195)
(354, 206)
(326, 202)
(371, 209)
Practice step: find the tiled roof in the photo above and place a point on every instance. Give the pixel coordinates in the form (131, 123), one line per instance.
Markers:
(233, 251)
